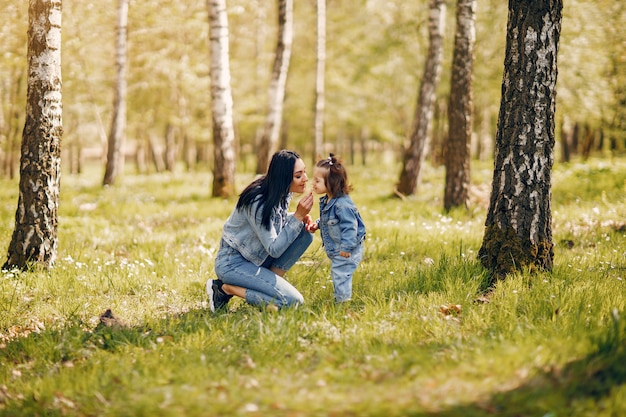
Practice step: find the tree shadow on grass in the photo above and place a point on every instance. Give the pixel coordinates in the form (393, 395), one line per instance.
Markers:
(551, 392)
(76, 340)
(560, 391)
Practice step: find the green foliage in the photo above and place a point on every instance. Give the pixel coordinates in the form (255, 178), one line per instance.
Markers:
(375, 58)
(420, 337)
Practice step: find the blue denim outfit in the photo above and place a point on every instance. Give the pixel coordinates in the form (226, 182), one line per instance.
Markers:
(248, 250)
(342, 229)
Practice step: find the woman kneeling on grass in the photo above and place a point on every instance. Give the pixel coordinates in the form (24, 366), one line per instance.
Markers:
(261, 240)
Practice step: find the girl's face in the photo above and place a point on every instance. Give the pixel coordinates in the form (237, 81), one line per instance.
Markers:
(319, 186)
(298, 183)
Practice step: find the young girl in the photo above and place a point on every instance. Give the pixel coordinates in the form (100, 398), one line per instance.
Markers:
(340, 224)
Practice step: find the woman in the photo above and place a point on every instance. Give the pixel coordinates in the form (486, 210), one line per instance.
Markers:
(261, 240)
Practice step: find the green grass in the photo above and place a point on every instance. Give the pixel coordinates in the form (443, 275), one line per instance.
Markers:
(548, 344)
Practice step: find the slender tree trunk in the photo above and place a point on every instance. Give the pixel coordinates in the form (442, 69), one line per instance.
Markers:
(170, 148)
(271, 133)
(616, 70)
(156, 153)
(221, 102)
(35, 238)
(588, 140)
(458, 145)
(115, 162)
(518, 230)
(318, 124)
(573, 149)
(438, 133)
(415, 154)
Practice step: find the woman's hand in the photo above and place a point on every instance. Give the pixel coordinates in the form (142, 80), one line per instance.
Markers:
(304, 207)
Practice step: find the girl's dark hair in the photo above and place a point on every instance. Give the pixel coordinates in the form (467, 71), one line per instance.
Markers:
(272, 188)
(335, 176)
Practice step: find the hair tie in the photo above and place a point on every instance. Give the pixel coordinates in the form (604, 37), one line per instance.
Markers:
(330, 160)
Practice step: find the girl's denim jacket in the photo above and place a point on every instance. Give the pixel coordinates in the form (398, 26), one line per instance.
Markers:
(340, 224)
(243, 231)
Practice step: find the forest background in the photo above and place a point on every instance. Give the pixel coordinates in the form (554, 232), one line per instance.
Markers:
(375, 57)
(419, 339)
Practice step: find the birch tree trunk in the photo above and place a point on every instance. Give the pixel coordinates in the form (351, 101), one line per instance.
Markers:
(415, 154)
(318, 124)
(35, 238)
(518, 230)
(221, 102)
(271, 132)
(458, 145)
(115, 162)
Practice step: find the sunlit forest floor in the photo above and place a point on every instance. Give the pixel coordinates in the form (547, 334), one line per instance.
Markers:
(421, 336)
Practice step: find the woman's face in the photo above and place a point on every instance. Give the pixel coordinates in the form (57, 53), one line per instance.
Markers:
(298, 183)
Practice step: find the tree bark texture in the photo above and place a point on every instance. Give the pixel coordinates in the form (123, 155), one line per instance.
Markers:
(35, 238)
(115, 162)
(416, 152)
(460, 109)
(221, 102)
(518, 230)
(278, 83)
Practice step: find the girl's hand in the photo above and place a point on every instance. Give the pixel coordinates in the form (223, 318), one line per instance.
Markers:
(344, 254)
(304, 207)
(310, 225)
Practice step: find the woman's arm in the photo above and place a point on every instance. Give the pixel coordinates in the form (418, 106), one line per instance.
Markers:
(277, 240)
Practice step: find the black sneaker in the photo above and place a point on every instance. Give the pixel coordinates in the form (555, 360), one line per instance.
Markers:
(218, 299)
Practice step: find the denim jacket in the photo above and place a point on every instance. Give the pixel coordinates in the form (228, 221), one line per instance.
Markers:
(340, 224)
(244, 232)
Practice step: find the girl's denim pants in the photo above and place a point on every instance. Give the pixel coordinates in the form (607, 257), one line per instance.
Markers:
(341, 272)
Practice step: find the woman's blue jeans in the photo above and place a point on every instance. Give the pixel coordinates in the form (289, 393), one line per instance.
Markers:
(262, 285)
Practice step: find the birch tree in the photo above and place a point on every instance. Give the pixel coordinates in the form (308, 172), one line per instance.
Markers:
(457, 150)
(221, 102)
(518, 230)
(415, 154)
(115, 161)
(318, 117)
(271, 132)
(35, 237)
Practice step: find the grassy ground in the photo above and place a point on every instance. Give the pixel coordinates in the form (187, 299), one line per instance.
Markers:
(417, 340)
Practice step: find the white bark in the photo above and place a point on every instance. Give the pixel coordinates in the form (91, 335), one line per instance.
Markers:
(221, 101)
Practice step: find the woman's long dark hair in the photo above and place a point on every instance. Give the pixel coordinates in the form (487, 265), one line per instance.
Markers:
(273, 187)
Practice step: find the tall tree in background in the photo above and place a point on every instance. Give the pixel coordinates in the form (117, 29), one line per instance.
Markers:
(318, 117)
(518, 230)
(35, 239)
(616, 117)
(115, 162)
(416, 152)
(221, 102)
(457, 149)
(271, 132)
(13, 73)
